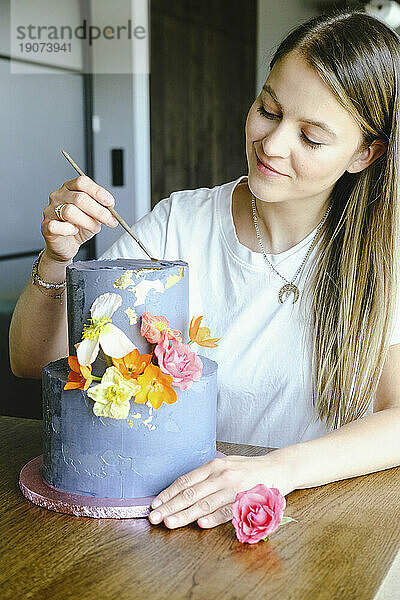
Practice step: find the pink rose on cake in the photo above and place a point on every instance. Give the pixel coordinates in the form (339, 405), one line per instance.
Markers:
(156, 330)
(179, 361)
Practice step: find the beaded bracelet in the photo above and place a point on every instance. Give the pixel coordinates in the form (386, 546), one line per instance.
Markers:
(46, 284)
(58, 296)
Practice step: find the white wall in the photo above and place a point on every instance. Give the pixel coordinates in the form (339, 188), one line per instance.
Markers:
(122, 110)
(272, 27)
(41, 111)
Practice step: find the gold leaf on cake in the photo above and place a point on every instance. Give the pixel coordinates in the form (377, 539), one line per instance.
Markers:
(173, 279)
(132, 315)
(134, 416)
(124, 281)
(148, 424)
(144, 287)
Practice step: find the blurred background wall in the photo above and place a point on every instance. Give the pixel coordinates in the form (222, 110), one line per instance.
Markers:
(180, 127)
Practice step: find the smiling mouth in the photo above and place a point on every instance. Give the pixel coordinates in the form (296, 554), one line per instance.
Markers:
(267, 166)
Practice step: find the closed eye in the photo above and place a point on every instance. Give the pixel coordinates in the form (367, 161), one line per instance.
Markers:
(273, 117)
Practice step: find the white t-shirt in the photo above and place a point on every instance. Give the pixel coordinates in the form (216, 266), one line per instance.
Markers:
(264, 368)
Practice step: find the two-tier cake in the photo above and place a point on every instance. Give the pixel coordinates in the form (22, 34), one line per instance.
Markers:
(127, 433)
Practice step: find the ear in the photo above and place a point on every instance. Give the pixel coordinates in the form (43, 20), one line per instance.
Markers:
(367, 156)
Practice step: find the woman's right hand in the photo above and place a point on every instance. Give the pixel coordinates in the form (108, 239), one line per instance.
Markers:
(84, 212)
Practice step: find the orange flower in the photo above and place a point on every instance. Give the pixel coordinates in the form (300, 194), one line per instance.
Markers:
(79, 377)
(156, 387)
(132, 364)
(201, 335)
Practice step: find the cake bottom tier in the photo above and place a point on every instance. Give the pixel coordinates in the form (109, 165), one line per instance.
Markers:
(112, 458)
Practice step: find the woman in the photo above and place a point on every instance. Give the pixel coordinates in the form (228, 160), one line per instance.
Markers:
(295, 267)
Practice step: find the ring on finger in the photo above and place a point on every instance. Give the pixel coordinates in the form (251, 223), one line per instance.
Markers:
(58, 210)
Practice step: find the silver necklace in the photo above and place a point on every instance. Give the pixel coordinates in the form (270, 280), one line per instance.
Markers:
(289, 285)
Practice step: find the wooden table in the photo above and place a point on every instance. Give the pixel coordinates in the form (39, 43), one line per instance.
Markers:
(345, 543)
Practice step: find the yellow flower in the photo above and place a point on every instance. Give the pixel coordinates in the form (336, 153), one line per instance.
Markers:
(113, 394)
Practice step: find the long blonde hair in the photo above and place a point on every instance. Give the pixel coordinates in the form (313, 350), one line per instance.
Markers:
(352, 286)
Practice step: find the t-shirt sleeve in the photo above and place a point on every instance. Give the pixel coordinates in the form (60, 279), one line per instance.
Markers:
(151, 230)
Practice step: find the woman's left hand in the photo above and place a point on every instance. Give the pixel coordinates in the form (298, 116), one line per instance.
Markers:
(206, 494)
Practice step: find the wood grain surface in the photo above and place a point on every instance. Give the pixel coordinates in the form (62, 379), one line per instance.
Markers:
(346, 539)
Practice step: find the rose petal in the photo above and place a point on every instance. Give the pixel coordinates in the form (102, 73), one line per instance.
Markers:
(262, 518)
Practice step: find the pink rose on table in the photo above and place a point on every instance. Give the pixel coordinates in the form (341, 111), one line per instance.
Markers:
(257, 513)
(156, 330)
(179, 361)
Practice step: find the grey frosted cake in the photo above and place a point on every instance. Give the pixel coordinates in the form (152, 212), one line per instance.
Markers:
(140, 406)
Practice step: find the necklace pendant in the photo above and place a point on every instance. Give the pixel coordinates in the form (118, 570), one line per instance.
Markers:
(287, 289)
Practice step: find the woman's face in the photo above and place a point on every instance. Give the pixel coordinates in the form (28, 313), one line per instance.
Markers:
(279, 132)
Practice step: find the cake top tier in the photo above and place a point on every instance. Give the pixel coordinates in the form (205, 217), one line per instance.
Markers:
(138, 285)
(126, 264)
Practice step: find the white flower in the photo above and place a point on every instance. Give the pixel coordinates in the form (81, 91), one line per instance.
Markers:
(101, 332)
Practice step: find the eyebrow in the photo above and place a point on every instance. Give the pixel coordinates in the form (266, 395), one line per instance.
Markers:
(268, 88)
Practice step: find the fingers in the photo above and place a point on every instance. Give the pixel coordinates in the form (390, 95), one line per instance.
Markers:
(187, 480)
(195, 494)
(203, 509)
(222, 515)
(206, 494)
(79, 208)
(201, 492)
(80, 202)
(85, 208)
(77, 216)
(85, 184)
(55, 228)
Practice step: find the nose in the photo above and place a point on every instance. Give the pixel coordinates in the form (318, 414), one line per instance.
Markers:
(276, 142)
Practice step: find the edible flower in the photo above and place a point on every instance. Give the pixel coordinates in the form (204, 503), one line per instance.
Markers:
(181, 362)
(79, 378)
(101, 332)
(257, 513)
(112, 395)
(133, 364)
(201, 335)
(156, 330)
(155, 387)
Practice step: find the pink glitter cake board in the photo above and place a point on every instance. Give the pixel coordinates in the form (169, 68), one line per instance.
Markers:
(35, 489)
